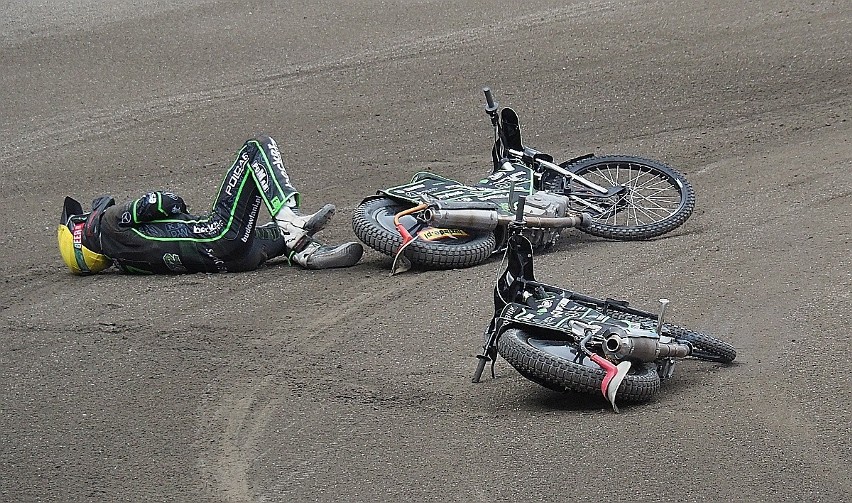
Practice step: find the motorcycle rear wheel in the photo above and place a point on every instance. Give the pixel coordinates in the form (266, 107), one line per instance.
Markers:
(549, 362)
(658, 198)
(372, 222)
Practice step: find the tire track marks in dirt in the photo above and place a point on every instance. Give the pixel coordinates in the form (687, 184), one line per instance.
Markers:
(63, 130)
(242, 415)
(746, 229)
(781, 343)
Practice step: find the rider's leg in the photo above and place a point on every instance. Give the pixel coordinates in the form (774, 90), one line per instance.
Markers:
(260, 162)
(269, 242)
(298, 228)
(316, 255)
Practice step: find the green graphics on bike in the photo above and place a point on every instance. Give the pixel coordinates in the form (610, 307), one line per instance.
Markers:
(501, 187)
(555, 312)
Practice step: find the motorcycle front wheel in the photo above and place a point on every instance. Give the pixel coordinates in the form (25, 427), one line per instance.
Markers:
(372, 222)
(555, 365)
(655, 199)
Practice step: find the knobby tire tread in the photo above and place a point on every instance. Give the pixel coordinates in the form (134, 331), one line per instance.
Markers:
(422, 254)
(561, 374)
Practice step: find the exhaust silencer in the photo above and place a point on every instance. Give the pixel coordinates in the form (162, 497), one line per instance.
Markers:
(479, 219)
(487, 220)
(644, 348)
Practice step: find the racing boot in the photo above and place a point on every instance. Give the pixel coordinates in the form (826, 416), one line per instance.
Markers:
(298, 229)
(316, 255)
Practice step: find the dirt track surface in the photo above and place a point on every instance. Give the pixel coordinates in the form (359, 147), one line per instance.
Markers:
(350, 385)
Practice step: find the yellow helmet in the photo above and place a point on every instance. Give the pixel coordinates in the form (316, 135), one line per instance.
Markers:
(78, 258)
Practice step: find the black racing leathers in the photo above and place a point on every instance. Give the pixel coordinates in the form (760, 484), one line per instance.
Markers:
(155, 234)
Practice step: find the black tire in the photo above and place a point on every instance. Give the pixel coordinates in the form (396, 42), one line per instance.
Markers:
(372, 222)
(549, 362)
(705, 347)
(658, 199)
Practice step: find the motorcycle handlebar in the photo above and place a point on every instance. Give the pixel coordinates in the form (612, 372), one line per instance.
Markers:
(490, 104)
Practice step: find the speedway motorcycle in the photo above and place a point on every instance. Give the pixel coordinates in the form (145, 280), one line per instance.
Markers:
(432, 221)
(568, 341)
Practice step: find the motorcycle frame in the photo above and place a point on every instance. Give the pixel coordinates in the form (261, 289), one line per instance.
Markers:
(517, 281)
(534, 159)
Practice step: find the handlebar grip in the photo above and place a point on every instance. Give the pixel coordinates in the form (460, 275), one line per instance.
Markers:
(519, 212)
(490, 104)
(480, 366)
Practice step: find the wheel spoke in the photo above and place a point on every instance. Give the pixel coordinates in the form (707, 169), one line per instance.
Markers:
(655, 198)
(649, 198)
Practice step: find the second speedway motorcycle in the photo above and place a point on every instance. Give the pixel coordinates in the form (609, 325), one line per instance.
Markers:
(569, 341)
(433, 222)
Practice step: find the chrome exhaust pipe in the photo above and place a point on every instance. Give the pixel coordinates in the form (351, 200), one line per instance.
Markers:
(485, 220)
(488, 220)
(643, 348)
(673, 350)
